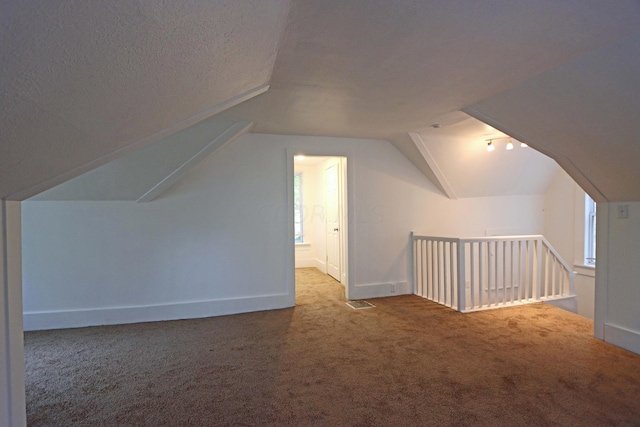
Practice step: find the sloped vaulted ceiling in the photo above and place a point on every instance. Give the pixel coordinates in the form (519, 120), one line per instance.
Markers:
(375, 68)
(586, 114)
(81, 80)
(380, 69)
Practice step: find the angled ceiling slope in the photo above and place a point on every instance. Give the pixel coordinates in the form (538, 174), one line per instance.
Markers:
(584, 114)
(81, 82)
(145, 174)
(455, 158)
(376, 69)
(384, 69)
(410, 147)
(85, 82)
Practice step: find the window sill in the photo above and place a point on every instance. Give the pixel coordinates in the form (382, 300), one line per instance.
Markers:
(585, 270)
(303, 244)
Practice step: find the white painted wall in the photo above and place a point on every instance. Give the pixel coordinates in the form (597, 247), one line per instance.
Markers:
(307, 254)
(318, 223)
(564, 225)
(618, 277)
(217, 242)
(559, 215)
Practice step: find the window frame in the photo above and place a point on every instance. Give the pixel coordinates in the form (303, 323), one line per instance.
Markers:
(590, 218)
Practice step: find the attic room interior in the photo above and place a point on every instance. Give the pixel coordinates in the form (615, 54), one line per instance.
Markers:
(147, 175)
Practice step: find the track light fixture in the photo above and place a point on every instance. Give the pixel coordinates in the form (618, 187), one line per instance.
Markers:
(490, 146)
(509, 146)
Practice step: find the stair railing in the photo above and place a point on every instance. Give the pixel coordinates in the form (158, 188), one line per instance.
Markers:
(488, 272)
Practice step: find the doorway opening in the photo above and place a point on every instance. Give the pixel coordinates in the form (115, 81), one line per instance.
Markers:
(320, 215)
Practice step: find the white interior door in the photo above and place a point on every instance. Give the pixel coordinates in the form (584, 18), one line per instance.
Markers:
(332, 216)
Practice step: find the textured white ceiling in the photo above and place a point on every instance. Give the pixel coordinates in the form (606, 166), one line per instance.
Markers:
(368, 68)
(460, 151)
(80, 79)
(586, 114)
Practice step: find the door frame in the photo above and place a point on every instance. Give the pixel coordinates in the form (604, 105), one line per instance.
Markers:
(347, 224)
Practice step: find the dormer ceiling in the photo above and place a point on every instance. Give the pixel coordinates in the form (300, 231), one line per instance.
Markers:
(367, 68)
(84, 81)
(586, 114)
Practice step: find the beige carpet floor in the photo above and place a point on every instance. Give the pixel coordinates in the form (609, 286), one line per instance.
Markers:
(406, 362)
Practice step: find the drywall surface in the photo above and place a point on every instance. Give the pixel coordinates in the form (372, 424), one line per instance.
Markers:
(564, 227)
(585, 292)
(317, 224)
(312, 215)
(131, 176)
(619, 251)
(460, 152)
(583, 114)
(559, 215)
(83, 80)
(217, 242)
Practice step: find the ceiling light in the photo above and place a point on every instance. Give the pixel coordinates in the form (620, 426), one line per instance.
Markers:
(490, 146)
(522, 144)
(509, 145)
(299, 157)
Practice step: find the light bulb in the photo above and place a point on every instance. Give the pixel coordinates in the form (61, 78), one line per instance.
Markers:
(522, 144)
(490, 146)
(509, 145)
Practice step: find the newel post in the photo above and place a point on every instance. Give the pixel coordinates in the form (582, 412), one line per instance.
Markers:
(414, 264)
(539, 269)
(462, 291)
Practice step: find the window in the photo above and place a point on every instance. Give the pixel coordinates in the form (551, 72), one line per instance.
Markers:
(298, 219)
(590, 231)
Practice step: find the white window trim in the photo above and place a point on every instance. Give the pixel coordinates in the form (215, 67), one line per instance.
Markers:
(590, 217)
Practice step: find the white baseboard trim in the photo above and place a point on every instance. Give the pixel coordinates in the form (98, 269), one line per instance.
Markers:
(320, 265)
(34, 321)
(305, 263)
(566, 303)
(622, 337)
(376, 290)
